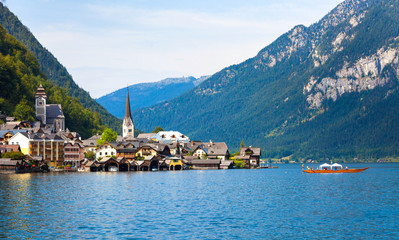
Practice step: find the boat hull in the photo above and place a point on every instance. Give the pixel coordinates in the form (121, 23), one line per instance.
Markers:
(335, 171)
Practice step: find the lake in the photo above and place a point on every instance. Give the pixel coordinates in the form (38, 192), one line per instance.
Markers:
(281, 203)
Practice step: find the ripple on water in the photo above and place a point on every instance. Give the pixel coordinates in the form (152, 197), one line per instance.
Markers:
(238, 204)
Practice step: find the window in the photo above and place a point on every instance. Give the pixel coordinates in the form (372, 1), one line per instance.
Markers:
(130, 130)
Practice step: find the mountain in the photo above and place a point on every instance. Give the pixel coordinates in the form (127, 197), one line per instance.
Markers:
(55, 71)
(329, 90)
(20, 76)
(147, 94)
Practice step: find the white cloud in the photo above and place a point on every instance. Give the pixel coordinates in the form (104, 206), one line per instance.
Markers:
(108, 45)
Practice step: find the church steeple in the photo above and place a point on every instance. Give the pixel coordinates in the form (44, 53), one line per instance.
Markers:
(128, 126)
(40, 104)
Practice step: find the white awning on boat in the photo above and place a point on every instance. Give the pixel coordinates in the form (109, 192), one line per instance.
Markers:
(337, 165)
(325, 165)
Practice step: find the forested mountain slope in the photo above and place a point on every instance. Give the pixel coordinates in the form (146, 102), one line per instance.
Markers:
(56, 73)
(327, 90)
(147, 94)
(20, 76)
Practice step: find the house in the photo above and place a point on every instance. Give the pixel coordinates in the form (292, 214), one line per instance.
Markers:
(153, 149)
(48, 146)
(171, 136)
(202, 164)
(90, 144)
(217, 150)
(200, 151)
(250, 155)
(73, 152)
(127, 150)
(5, 135)
(150, 163)
(175, 163)
(146, 150)
(8, 164)
(106, 150)
(9, 148)
(109, 164)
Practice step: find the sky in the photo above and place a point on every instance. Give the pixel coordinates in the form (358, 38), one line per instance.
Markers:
(107, 45)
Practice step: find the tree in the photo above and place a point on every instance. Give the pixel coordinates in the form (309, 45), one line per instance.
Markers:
(242, 144)
(107, 136)
(90, 155)
(24, 112)
(14, 155)
(157, 129)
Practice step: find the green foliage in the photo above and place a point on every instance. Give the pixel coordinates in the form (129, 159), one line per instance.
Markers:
(23, 111)
(20, 76)
(13, 155)
(239, 163)
(157, 129)
(57, 75)
(107, 136)
(90, 155)
(5, 107)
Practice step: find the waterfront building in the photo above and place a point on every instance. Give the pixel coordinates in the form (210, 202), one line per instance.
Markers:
(127, 150)
(250, 155)
(50, 147)
(50, 115)
(128, 125)
(74, 152)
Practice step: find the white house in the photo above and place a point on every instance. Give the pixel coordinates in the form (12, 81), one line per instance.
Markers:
(171, 136)
(21, 139)
(107, 149)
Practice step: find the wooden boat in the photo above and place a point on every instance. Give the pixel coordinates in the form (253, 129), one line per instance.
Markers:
(334, 168)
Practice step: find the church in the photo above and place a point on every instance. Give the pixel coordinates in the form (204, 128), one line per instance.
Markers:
(50, 115)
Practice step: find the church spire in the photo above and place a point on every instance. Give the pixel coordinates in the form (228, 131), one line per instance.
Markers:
(127, 108)
(128, 125)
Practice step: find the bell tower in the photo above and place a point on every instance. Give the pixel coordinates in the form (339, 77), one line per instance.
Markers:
(128, 126)
(40, 104)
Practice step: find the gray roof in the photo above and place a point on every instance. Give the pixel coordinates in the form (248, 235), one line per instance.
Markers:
(53, 111)
(256, 151)
(217, 149)
(7, 162)
(92, 141)
(146, 135)
(13, 132)
(204, 161)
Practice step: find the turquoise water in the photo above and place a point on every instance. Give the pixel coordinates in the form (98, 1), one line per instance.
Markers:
(278, 203)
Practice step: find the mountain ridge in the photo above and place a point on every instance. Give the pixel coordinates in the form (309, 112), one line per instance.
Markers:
(265, 99)
(147, 94)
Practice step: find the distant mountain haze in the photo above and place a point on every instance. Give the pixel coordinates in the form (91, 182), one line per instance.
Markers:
(147, 94)
(323, 91)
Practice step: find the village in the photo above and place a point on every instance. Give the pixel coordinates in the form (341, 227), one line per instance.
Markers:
(47, 145)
